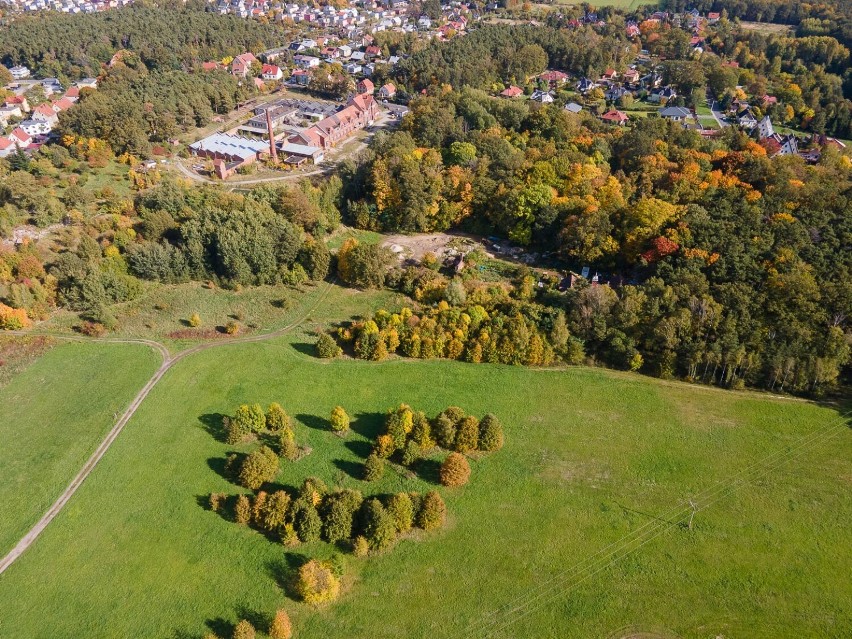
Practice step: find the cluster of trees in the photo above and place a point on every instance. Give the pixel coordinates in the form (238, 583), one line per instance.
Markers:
(514, 332)
(727, 265)
(250, 421)
(267, 236)
(166, 36)
(496, 54)
(315, 513)
(133, 106)
(831, 17)
(279, 628)
(410, 436)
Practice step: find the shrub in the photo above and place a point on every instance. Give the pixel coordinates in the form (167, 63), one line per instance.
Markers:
(244, 630)
(258, 508)
(316, 583)
(374, 468)
(490, 434)
(444, 431)
(421, 431)
(455, 471)
(287, 444)
(313, 490)
(277, 418)
(234, 431)
(275, 510)
(242, 510)
(378, 525)
(307, 522)
(339, 420)
(327, 348)
(216, 501)
(92, 329)
(13, 319)
(232, 328)
(258, 468)
(360, 547)
(433, 511)
(288, 535)
(250, 418)
(281, 628)
(195, 320)
(467, 435)
(338, 514)
(401, 510)
(411, 453)
(384, 447)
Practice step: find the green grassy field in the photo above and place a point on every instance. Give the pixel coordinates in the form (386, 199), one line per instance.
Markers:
(52, 416)
(591, 457)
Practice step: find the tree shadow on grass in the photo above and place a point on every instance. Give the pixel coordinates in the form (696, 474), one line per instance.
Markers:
(220, 627)
(360, 447)
(369, 425)
(257, 619)
(352, 468)
(305, 349)
(284, 571)
(428, 470)
(213, 423)
(313, 421)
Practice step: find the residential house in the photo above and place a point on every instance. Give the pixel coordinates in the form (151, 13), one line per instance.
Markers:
(306, 61)
(585, 85)
(544, 97)
(615, 116)
(511, 92)
(19, 72)
(301, 77)
(554, 78)
(661, 95)
(631, 76)
(20, 137)
(746, 119)
(271, 72)
(365, 86)
(387, 92)
(573, 107)
(765, 128)
(241, 64)
(36, 127)
(7, 147)
(615, 92)
(609, 75)
(675, 113)
(45, 113)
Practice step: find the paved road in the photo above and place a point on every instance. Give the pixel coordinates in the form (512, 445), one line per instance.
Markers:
(718, 115)
(167, 363)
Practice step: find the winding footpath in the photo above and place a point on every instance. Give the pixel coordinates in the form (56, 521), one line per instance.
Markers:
(168, 361)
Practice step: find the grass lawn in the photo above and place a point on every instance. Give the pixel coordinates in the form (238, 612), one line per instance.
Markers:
(590, 457)
(52, 416)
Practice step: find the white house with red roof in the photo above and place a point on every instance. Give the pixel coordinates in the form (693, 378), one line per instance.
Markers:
(512, 92)
(241, 65)
(387, 91)
(271, 72)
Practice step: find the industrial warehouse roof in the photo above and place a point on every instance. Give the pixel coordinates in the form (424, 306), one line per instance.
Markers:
(230, 145)
(299, 149)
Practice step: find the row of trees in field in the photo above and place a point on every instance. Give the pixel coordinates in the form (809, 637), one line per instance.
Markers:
(508, 333)
(409, 436)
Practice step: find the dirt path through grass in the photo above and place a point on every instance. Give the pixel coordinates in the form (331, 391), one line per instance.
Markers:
(115, 431)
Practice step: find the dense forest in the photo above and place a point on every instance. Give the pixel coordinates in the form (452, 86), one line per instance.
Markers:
(167, 36)
(134, 106)
(831, 17)
(725, 264)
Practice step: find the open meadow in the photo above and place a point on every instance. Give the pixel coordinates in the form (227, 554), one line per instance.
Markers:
(576, 528)
(53, 414)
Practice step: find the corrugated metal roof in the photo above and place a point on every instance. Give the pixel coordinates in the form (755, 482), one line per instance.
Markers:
(230, 145)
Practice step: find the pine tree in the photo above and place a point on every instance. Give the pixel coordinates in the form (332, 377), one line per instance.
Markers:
(467, 435)
(242, 510)
(259, 467)
(490, 434)
(455, 471)
(378, 525)
(433, 511)
(244, 630)
(401, 511)
(339, 420)
(281, 628)
(277, 418)
(374, 468)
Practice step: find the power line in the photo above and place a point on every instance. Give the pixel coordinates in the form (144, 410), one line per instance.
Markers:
(657, 527)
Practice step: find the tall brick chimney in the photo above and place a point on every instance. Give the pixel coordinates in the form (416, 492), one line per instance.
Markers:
(272, 150)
